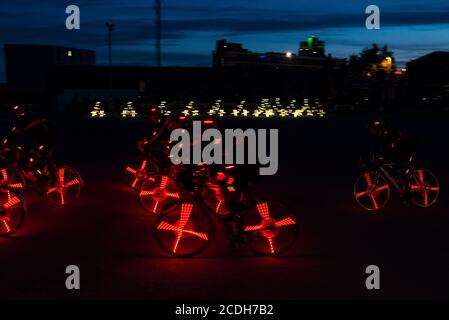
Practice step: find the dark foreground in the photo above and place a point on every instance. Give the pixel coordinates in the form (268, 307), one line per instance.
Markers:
(109, 236)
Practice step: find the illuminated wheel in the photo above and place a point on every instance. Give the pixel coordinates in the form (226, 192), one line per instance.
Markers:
(12, 178)
(424, 188)
(371, 191)
(157, 192)
(139, 169)
(183, 229)
(64, 187)
(270, 228)
(12, 211)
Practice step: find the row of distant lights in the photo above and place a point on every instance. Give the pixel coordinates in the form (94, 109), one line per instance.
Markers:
(264, 110)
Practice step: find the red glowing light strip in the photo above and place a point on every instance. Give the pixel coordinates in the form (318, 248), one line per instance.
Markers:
(129, 169)
(270, 241)
(173, 195)
(421, 176)
(155, 206)
(72, 183)
(254, 228)
(52, 190)
(6, 225)
(164, 182)
(218, 206)
(11, 202)
(263, 210)
(278, 224)
(61, 176)
(147, 193)
(426, 196)
(285, 222)
(376, 206)
(62, 197)
(4, 175)
(384, 187)
(16, 186)
(358, 195)
(169, 227)
(186, 210)
(368, 179)
(144, 164)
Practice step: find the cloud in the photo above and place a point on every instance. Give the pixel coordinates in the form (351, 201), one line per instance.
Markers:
(42, 22)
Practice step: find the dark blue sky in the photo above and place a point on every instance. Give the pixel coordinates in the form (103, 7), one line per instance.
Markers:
(411, 28)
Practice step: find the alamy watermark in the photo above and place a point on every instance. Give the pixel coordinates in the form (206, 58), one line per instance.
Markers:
(72, 282)
(372, 282)
(373, 20)
(73, 21)
(239, 147)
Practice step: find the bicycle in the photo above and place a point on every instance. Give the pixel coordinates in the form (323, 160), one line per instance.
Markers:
(372, 189)
(12, 211)
(184, 228)
(62, 185)
(146, 164)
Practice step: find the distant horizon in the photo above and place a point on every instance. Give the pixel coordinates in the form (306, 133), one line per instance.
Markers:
(410, 28)
(210, 65)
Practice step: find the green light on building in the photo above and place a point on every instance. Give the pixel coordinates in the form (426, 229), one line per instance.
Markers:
(310, 41)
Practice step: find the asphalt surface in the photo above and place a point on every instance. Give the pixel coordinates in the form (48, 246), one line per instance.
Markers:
(109, 236)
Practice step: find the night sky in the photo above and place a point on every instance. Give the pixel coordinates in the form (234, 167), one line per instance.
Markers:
(190, 28)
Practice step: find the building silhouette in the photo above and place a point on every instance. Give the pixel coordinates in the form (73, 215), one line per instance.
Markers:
(27, 66)
(311, 54)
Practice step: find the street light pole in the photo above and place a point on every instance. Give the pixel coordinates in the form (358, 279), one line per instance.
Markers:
(110, 28)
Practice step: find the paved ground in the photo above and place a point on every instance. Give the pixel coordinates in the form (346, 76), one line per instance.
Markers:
(108, 235)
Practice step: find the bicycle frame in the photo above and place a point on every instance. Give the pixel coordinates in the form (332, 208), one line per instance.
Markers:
(391, 180)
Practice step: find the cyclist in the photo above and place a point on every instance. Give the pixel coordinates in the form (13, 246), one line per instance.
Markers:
(393, 146)
(35, 137)
(159, 142)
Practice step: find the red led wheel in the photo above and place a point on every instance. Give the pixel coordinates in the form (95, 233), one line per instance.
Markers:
(183, 229)
(12, 211)
(138, 170)
(270, 228)
(425, 188)
(157, 192)
(371, 191)
(12, 179)
(64, 187)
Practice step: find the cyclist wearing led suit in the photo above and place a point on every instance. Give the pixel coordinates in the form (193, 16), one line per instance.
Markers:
(34, 136)
(396, 147)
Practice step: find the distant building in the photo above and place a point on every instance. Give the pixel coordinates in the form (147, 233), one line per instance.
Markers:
(428, 80)
(27, 66)
(311, 54)
(313, 47)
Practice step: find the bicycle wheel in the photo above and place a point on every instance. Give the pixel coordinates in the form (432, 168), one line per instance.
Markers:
(157, 192)
(13, 179)
(371, 191)
(425, 188)
(64, 187)
(270, 228)
(183, 229)
(12, 211)
(139, 169)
